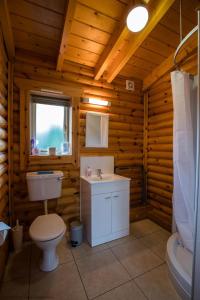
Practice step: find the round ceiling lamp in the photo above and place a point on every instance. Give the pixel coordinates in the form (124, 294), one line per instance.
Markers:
(137, 18)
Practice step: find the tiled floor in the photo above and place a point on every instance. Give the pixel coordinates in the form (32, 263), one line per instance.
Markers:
(131, 268)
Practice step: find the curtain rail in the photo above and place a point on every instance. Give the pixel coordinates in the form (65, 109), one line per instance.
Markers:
(183, 42)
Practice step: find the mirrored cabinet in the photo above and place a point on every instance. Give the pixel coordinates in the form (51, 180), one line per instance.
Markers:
(96, 130)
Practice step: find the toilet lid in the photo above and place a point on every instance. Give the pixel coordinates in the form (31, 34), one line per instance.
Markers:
(47, 227)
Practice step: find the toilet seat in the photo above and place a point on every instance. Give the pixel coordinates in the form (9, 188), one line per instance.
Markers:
(47, 227)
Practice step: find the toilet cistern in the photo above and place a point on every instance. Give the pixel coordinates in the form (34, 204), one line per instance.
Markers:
(46, 230)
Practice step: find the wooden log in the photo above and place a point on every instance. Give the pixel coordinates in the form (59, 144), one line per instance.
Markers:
(159, 184)
(160, 147)
(160, 191)
(160, 162)
(160, 207)
(3, 145)
(161, 140)
(165, 201)
(161, 177)
(160, 155)
(3, 157)
(160, 170)
(159, 133)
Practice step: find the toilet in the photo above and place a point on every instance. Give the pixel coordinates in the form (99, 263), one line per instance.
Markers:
(46, 230)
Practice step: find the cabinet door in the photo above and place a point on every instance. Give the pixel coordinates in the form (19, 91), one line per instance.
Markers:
(101, 215)
(120, 210)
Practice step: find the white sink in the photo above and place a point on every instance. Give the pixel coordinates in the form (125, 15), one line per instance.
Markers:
(105, 178)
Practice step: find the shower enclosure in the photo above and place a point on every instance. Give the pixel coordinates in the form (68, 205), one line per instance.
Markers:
(183, 247)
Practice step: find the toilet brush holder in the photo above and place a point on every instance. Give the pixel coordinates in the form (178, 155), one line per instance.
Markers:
(17, 235)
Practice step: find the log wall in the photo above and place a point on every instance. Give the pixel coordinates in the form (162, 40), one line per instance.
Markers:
(4, 197)
(125, 138)
(159, 149)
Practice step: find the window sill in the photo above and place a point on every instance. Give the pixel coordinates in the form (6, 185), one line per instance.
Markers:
(51, 159)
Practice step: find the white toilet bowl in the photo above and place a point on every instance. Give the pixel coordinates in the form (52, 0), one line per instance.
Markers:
(47, 231)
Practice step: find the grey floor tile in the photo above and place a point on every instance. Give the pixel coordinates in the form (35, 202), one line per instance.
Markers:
(64, 283)
(156, 285)
(136, 257)
(144, 227)
(64, 251)
(127, 291)
(14, 298)
(14, 288)
(18, 264)
(157, 242)
(85, 249)
(101, 272)
(123, 240)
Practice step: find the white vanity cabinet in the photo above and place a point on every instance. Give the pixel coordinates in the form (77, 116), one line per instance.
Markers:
(105, 209)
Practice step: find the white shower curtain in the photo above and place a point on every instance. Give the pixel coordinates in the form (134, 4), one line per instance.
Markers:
(184, 130)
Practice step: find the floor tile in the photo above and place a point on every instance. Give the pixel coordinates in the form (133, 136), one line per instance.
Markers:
(18, 264)
(64, 251)
(157, 242)
(16, 298)
(43, 298)
(101, 272)
(156, 285)
(127, 291)
(85, 249)
(144, 227)
(136, 257)
(120, 241)
(14, 289)
(64, 283)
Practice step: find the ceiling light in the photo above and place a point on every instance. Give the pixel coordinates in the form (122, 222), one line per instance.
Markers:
(96, 101)
(137, 18)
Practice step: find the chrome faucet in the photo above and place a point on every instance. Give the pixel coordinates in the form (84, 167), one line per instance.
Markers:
(99, 173)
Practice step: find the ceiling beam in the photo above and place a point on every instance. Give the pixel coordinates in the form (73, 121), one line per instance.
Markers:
(168, 64)
(116, 40)
(7, 29)
(136, 39)
(66, 31)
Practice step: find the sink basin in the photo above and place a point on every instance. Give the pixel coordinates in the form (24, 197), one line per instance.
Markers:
(104, 178)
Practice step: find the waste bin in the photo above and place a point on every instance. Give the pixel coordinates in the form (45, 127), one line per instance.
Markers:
(17, 235)
(76, 233)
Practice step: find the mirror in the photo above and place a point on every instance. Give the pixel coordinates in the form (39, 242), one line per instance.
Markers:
(96, 130)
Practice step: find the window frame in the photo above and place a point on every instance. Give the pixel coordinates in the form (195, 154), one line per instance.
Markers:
(65, 102)
(27, 87)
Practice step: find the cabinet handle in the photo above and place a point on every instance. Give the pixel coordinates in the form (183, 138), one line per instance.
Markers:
(116, 196)
(107, 198)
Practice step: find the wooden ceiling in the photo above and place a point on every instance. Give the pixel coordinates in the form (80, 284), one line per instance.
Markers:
(94, 34)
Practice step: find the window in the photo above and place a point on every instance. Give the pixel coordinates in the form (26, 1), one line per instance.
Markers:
(38, 101)
(50, 125)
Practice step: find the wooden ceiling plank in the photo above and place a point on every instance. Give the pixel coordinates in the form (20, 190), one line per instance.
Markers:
(94, 18)
(56, 6)
(168, 64)
(36, 13)
(137, 39)
(79, 55)
(66, 30)
(31, 26)
(89, 32)
(7, 29)
(32, 40)
(111, 8)
(85, 44)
